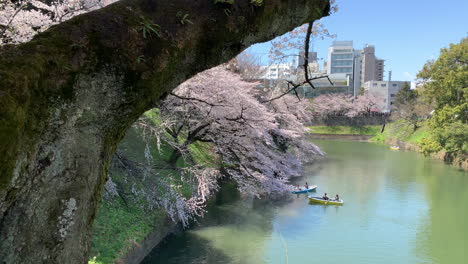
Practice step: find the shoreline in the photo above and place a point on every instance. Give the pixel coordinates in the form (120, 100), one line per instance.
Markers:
(140, 250)
(407, 146)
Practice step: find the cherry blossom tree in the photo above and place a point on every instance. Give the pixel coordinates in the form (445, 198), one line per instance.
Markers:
(260, 146)
(21, 20)
(339, 104)
(366, 104)
(248, 65)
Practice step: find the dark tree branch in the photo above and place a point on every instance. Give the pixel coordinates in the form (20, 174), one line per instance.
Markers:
(307, 80)
(306, 54)
(195, 99)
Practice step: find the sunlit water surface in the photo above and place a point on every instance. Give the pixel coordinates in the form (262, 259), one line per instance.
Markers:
(399, 208)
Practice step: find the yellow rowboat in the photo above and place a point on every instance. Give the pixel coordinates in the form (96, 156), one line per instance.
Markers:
(395, 147)
(322, 201)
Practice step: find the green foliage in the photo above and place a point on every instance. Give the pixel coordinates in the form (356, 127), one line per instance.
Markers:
(361, 91)
(224, 2)
(429, 145)
(380, 137)
(141, 59)
(446, 79)
(202, 154)
(354, 130)
(449, 128)
(183, 18)
(405, 95)
(256, 2)
(148, 28)
(110, 240)
(446, 84)
(227, 12)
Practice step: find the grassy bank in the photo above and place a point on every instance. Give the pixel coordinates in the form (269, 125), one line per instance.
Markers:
(402, 131)
(342, 130)
(119, 227)
(398, 130)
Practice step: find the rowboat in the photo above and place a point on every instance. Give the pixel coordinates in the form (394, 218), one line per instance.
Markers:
(310, 189)
(320, 200)
(395, 147)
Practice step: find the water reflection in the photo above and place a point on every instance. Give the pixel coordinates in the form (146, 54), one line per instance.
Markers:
(399, 208)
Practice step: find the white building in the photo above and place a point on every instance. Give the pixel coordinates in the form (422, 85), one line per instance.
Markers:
(344, 59)
(278, 71)
(340, 57)
(386, 89)
(360, 65)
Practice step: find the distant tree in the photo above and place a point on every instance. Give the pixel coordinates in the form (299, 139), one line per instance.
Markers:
(410, 106)
(445, 83)
(361, 91)
(405, 96)
(366, 104)
(413, 111)
(339, 104)
(248, 65)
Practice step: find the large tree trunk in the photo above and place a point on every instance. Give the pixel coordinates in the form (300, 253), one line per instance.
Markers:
(68, 96)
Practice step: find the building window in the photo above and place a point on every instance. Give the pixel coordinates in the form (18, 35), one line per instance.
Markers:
(394, 85)
(374, 84)
(391, 103)
(383, 85)
(392, 95)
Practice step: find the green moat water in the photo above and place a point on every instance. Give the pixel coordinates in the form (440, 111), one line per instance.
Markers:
(399, 208)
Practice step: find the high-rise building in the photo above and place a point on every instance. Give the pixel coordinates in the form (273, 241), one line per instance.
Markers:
(379, 70)
(361, 65)
(357, 70)
(340, 57)
(372, 67)
(344, 59)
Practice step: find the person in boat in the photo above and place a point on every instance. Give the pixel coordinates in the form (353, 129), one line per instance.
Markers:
(307, 186)
(337, 197)
(325, 197)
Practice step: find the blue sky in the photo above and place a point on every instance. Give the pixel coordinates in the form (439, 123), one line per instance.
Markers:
(406, 33)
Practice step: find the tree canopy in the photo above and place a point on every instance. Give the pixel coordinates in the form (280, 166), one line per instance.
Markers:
(445, 83)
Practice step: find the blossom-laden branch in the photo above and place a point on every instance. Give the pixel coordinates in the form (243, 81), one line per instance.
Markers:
(260, 145)
(21, 20)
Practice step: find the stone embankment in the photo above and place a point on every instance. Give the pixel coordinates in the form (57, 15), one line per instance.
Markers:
(341, 137)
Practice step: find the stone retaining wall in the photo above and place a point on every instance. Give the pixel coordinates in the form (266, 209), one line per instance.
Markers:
(349, 121)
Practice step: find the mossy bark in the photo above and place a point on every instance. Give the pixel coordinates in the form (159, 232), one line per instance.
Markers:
(68, 96)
